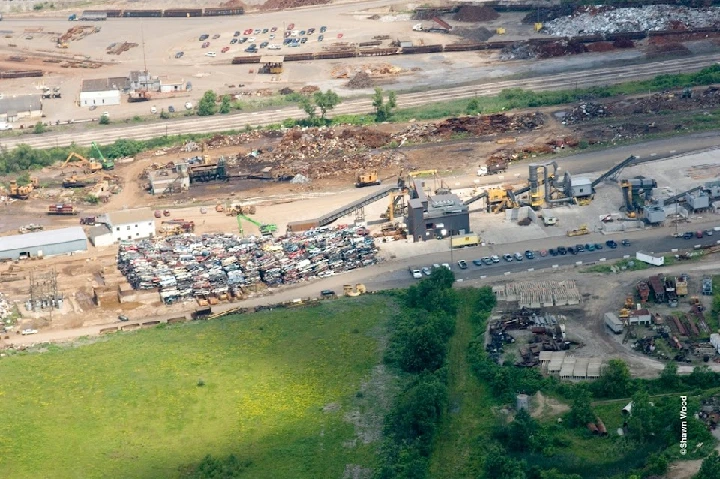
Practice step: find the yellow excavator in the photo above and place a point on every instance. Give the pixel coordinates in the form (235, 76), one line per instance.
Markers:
(22, 192)
(90, 166)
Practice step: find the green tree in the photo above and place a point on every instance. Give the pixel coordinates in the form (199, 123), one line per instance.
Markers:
(643, 421)
(498, 465)
(383, 109)
(473, 107)
(615, 380)
(555, 474)
(225, 105)
(39, 128)
(656, 465)
(710, 468)
(669, 378)
(309, 107)
(326, 101)
(521, 432)
(581, 412)
(105, 120)
(208, 104)
(423, 350)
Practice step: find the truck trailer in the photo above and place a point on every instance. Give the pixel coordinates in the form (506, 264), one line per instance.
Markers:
(613, 323)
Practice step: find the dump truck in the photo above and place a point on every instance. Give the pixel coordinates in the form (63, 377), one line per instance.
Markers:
(61, 209)
(681, 285)
(367, 179)
(582, 230)
(492, 167)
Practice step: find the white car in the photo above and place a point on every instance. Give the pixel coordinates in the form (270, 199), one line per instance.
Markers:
(251, 39)
(25, 332)
(188, 106)
(445, 265)
(106, 114)
(153, 110)
(273, 46)
(416, 273)
(211, 54)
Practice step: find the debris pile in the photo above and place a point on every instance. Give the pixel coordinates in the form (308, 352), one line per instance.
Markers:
(359, 81)
(6, 309)
(285, 4)
(476, 13)
(584, 112)
(77, 33)
(603, 20)
(667, 49)
(30, 228)
(518, 51)
(223, 266)
(118, 48)
(480, 34)
(373, 69)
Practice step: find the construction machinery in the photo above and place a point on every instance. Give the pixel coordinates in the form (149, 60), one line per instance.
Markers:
(22, 192)
(613, 172)
(359, 289)
(75, 181)
(265, 229)
(61, 209)
(414, 174)
(236, 209)
(367, 179)
(90, 166)
(396, 208)
(107, 163)
(636, 191)
(51, 92)
(582, 230)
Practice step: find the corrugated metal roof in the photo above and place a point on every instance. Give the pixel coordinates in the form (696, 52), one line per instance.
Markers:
(21, 103)
(125, 217)
(42, 238)
(99, 230)
(104, 84)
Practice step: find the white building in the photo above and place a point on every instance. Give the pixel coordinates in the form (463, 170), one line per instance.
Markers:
(16, 107)
(102, 91)
(131, 224)
(715, 341)
(101, 236)
(640, 316)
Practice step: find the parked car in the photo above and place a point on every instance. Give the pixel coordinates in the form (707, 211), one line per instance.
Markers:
(265, 30)
(708, 232)
(272, 36)
(287, 41)
(122, 317)
(211, 54)
(153, 110)
(462, 264)
(233, 41)
(248, 31)
(236, 34)
(273, 29)
(611, 244)
(206, 44)
(495, 258)
(553, 252)
(340, 35)
(507, 257)
(256, 31)
(323, 29)
(416, 273)
(699, 234)
(251, 39)
(321, 38)
(426, 271)
(590, 247)
(303, 40)
(216, 36)
(273, 46)
(518, 256)
(264, 44)
(487, 260)
(688, 235)
(598, 246)
(225, 50)
(572, 250)
(310, 31)
(302, 33)
(529, 254)
(562, 251)
(179, 54)
(626, 242)
(445, 265)
(25, 332)
(477, 262)
(291, 26)
(251, 49)
(171, 109)
(204, 37)
(242, 40)
(436, 266)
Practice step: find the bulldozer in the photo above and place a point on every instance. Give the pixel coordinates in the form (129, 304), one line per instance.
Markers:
(90, 166)
(22, 192)
(77, 182)
(582, 230)
(367, 179)
(235, 209)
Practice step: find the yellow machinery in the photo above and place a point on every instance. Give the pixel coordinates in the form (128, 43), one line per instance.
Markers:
(91, 166)
(584, 201)
(22, 192)
(624, 313)
(367, 179)
(500, 199)
(500, 31)
(538, 26)
(582, 230)
(629, 302)
(357, 291)
(414, 174)
(396, 208)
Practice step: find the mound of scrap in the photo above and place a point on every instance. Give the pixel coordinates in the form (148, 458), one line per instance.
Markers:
(602, 20)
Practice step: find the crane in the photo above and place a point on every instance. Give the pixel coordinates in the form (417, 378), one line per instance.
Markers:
(265, 229)
(107, 164)
(240, 228)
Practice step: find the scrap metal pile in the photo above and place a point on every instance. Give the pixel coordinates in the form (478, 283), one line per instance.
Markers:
(220, 265)
(601, 20)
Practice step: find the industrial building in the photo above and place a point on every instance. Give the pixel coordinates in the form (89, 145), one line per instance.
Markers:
(18, 107)
(130, 224)
(43, 243)
(165, 182)
(101, 235)
(438, 216)
(102, 91)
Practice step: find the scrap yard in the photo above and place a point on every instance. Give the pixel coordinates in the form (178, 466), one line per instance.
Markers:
(597, 232)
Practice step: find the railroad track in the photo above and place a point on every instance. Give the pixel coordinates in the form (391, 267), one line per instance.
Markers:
(238, 121)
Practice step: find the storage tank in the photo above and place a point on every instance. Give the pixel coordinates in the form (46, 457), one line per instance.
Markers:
(523, 402)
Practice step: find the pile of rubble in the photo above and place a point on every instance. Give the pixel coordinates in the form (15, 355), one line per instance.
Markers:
(480, 34)
(286, 4)
(648, 18)
(359, 81)
(584, 112)
(476, 13)
(6, 308)
(525, 51)
(371, 69)
(474, 125)
(189, 267)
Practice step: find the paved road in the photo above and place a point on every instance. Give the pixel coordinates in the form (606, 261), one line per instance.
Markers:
(602, 76)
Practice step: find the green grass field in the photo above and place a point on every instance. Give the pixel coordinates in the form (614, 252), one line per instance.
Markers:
(278, 386)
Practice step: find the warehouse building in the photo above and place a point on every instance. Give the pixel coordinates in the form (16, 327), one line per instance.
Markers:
(43, 243)
(130, 224)
(17, 107)
(438, 216)
(102, 91)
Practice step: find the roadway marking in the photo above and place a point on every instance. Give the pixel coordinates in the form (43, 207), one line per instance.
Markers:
(673, 151)
(602, 259)
(653, 154)
(531, 269)
(507, 273)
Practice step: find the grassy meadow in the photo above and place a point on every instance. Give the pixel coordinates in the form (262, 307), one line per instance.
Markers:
(274, 388)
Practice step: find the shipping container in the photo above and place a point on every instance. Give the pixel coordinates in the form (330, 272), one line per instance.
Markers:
(464, 241)
(303, 225)
(142, 13)
(216, 12)
(183, 12)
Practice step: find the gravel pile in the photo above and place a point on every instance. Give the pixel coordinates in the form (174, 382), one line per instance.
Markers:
(475, 13)
(648, 18)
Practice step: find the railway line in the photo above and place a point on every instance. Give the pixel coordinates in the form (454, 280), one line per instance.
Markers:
(578, 79)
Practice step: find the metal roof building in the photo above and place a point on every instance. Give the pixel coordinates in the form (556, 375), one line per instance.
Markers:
(43, 243)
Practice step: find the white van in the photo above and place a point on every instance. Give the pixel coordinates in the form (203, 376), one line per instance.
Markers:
(273, 46)
(4, 126)
(295, 33)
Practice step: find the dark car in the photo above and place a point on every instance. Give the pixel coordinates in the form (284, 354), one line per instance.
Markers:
(462, 264)
(477, 262)
(122, 317)
(553, 252)
(590, 247)
(251, 49)
(688, 235)
(562, 250)
(171, 109)
(321, 38)
(233, 41)
(287, 41)
(625, 242)
(304, 40)
(611, 244)
(579, 248)
(264, 44)
(204, 37)
(242, 40)
(310, 31)
(302, 33)
(572, 250)
(236, 34)
(529, 254)
(179, 54)
(323, 29)
(265, 30)
(598, 246)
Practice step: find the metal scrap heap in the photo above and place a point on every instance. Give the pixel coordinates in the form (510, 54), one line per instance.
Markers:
(186, 267)
(593, 20)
